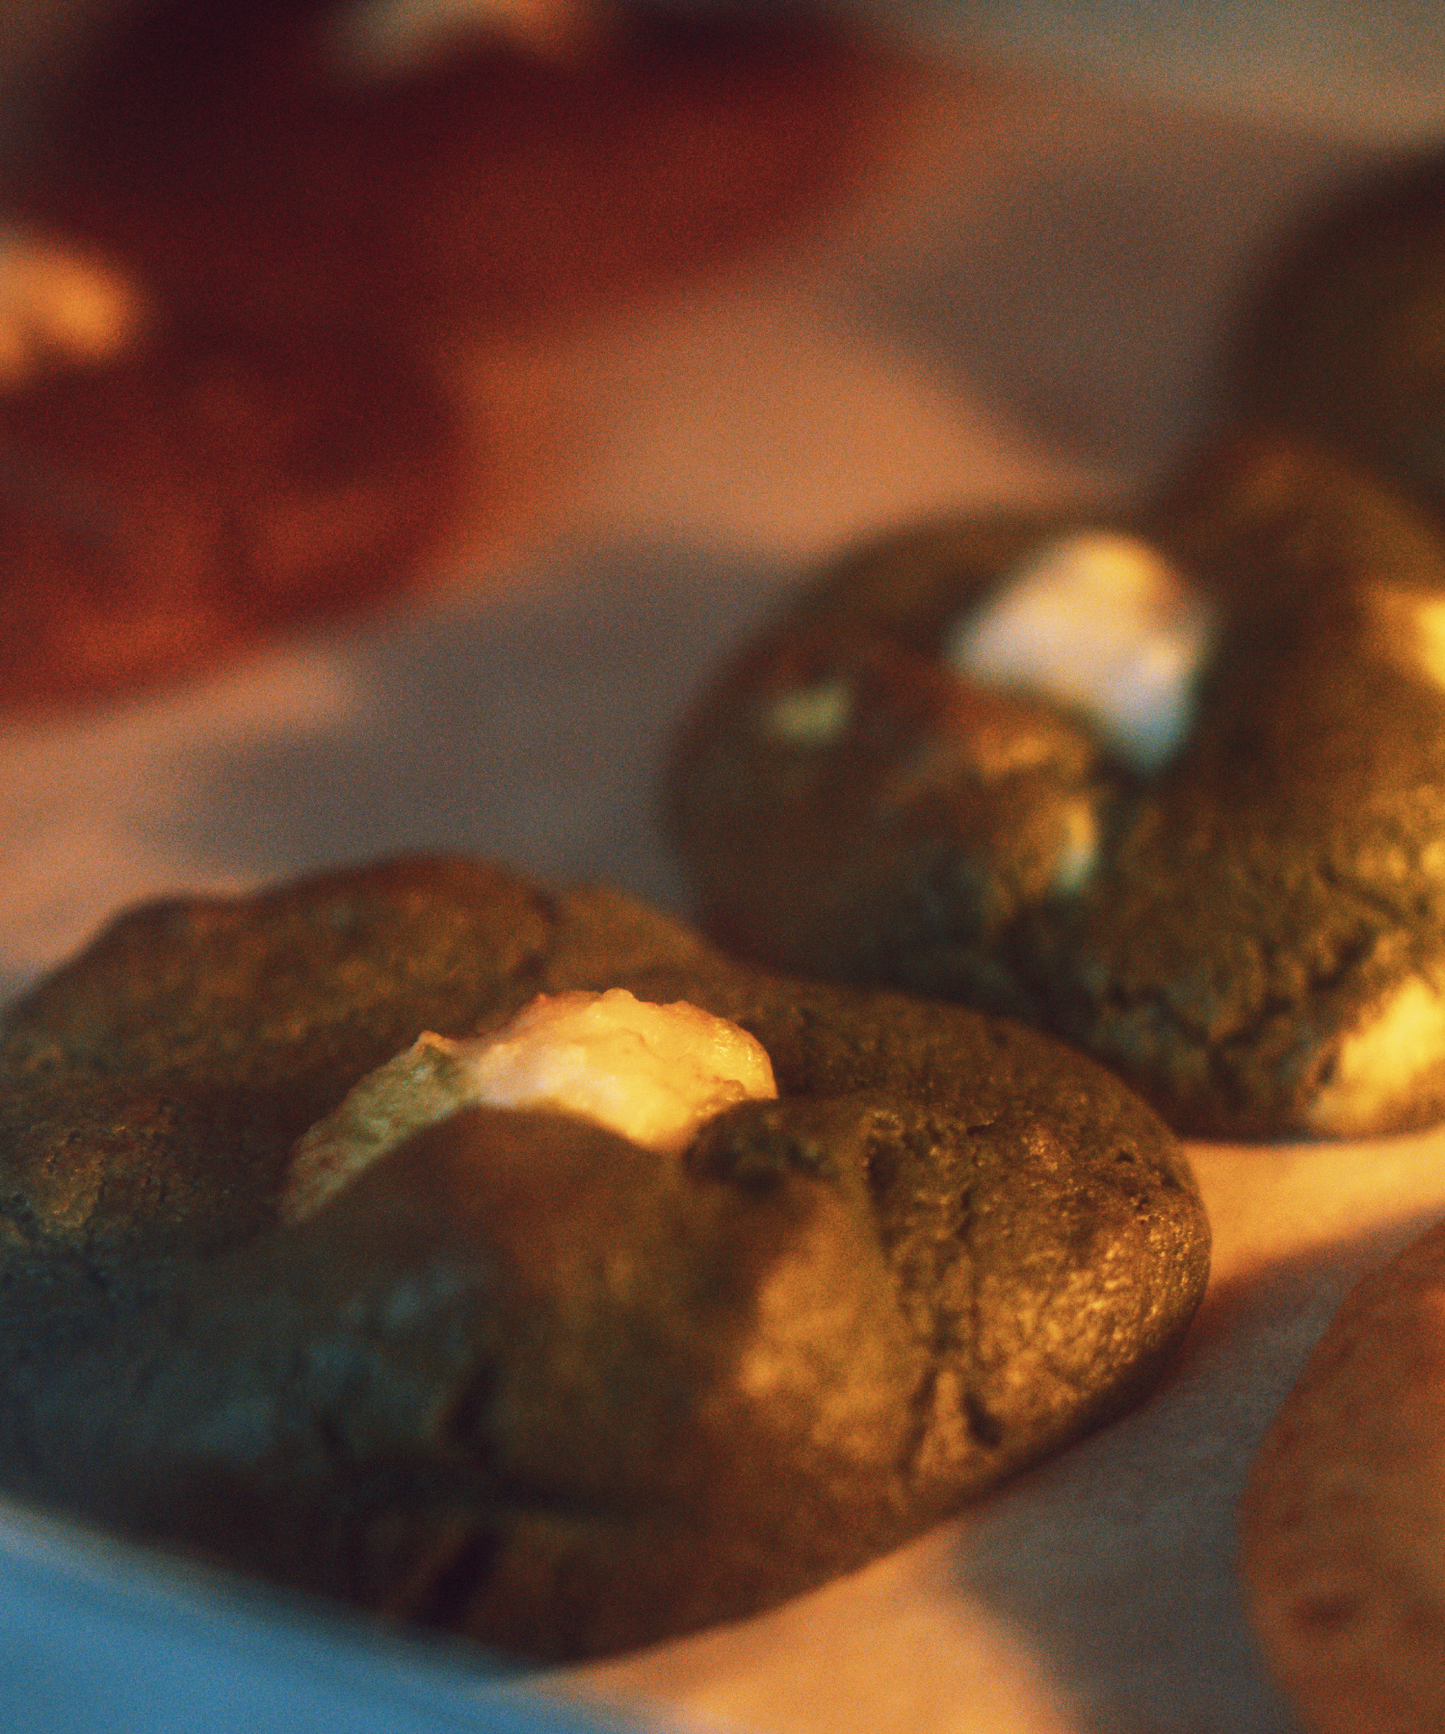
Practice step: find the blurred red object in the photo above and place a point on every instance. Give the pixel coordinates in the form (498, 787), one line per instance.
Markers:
(214, 150)
(326, 237)
(164, 513)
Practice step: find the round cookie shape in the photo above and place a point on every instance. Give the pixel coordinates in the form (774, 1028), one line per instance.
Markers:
(174, 505)
(523, 1378)
(1342, 344)
(1343, 1518)
(1247, 928)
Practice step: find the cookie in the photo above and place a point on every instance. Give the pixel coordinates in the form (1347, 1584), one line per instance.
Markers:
(175, 504)
(1341, 344)
(262, 190)
(233, 159)
(1343, 1521)
(1169, 785)
(513, 1373)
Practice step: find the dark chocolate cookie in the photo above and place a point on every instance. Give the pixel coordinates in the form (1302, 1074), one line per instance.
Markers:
(1342, 345)
(1170, 786)
(167, 509)
(523, 1378)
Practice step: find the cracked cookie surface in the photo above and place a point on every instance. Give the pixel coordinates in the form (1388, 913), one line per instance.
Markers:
(1247, 930)
(522, 1378)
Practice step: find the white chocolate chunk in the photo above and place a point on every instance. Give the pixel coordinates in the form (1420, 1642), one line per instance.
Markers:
(372, 40)
(811, 716)
(1382, 1060)
(57, 304)
(654, 1073)
(1101, 623)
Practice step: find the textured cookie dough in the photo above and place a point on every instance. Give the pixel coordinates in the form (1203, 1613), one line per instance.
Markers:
(1344, 1515)
(522, 1378)
(1239, 908)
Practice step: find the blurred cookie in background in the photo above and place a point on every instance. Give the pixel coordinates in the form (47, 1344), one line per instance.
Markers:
(243, 242)
(1163, 783)
(1347, 343)
(171, 508)
(297, 161)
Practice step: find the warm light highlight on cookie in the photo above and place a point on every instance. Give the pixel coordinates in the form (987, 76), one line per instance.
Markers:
(654, 1073)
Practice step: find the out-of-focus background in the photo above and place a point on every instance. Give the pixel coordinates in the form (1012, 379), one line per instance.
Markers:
(1368, 71)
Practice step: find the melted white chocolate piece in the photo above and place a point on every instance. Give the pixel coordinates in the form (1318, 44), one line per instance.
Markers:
(1103, 624)
(1382, 1060)
(654, 1073)
(59, 305)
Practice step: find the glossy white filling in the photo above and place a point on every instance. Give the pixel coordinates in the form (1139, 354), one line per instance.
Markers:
(58, 306)
(1102, 624)
(1382, 1060)
(654, 1073)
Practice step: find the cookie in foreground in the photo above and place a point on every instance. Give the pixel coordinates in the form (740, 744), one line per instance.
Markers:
(1167, 783)
(518, 1375)
(1343, 1517)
